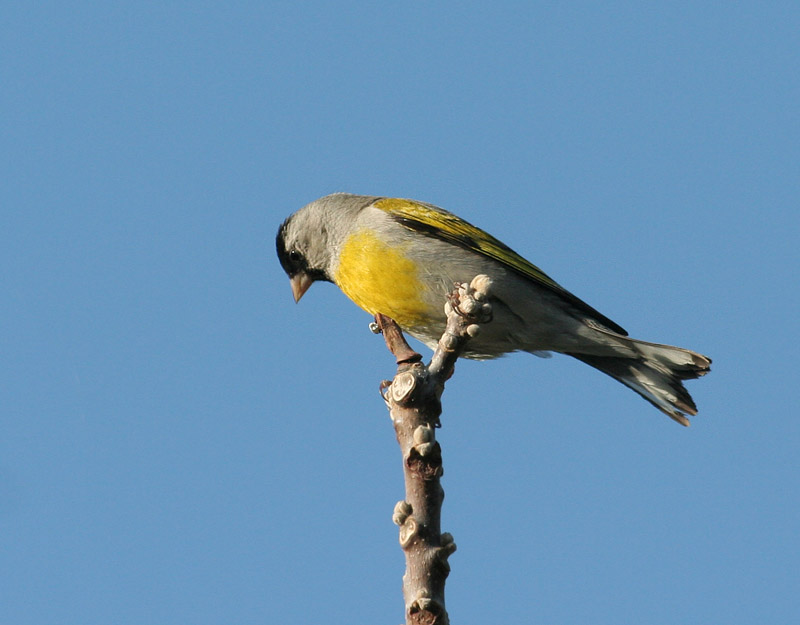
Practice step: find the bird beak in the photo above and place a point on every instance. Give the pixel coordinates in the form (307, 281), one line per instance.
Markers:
(300, 283)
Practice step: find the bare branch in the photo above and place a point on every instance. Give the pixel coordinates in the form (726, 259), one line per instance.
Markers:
(395, 340)
(466, 308)
(413, 398)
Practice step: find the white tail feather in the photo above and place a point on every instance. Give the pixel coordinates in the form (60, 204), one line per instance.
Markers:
(656, 372)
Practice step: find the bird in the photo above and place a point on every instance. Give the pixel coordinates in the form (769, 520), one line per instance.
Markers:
(400, 258)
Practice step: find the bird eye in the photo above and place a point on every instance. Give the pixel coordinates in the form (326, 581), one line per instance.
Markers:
(295, 256)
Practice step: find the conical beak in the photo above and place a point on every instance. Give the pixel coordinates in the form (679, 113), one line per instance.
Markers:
(300, 283)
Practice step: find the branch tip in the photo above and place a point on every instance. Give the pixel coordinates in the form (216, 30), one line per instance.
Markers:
(395, 340)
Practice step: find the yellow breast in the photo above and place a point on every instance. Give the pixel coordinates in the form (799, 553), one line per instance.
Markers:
(381, 279)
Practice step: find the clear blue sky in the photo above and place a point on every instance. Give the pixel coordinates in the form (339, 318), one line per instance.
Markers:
(181, 444)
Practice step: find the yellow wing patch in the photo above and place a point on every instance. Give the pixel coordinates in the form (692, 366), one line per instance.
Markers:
(381, 279)
(444, 225)
(436, 222)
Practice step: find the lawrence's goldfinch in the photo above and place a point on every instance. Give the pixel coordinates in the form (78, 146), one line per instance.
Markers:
(401, 258)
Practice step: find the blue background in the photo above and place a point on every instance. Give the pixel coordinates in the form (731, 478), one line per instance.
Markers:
(182, 444)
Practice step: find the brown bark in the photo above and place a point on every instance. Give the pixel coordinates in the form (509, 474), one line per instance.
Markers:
(413, 398)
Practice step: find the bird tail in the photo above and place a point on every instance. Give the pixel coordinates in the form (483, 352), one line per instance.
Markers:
(656, 372)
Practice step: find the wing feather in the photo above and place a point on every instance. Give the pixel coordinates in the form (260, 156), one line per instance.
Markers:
(436, 222)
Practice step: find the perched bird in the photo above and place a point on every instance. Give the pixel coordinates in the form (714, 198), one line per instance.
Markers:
(401, 258)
